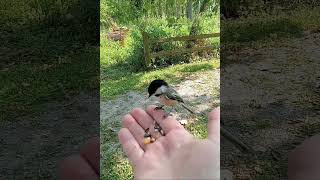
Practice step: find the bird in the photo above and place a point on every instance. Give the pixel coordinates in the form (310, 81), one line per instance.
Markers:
(169, 97)
(166, 95)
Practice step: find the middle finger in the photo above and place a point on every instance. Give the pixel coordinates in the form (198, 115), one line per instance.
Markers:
(142, 117)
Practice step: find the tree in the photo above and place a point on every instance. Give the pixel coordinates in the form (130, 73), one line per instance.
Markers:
(189, 9)
(195, 24)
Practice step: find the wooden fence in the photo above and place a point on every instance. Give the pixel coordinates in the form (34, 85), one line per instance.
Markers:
(147, 42)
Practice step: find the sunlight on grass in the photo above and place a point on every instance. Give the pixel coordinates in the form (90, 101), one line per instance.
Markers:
(139, 81)
(199, 128)
(116, 167)
(113, 163)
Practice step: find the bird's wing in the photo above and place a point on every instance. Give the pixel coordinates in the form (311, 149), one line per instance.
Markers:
(173, 94)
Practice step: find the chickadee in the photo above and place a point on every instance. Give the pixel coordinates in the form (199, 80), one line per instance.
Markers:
(167, 96)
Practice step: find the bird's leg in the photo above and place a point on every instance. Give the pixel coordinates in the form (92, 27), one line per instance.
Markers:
(159, 107)
(158, 128)
(147, 133)
(168, 114)
(147, 137)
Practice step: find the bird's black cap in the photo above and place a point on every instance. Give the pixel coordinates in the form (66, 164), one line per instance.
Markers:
(155, 84)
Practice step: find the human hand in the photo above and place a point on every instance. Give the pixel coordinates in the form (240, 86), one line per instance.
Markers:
(304, 160)
(83, 166)
(177, 155)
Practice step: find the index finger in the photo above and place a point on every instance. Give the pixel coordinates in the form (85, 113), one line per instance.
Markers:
(167, 123)
(91, 153)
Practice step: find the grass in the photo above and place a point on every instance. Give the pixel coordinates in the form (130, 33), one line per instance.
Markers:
(271, 170)
(46, 53)
(43, 69)
(113, 163)
(271, 27)
(199, 128)
(246, 31)
(263, 124)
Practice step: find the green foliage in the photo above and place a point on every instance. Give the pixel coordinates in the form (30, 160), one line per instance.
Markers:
(163, 28)
(131, 54)
(117, 11)
(35, 11)
(129, 11)
(160, 19)
(245, 8)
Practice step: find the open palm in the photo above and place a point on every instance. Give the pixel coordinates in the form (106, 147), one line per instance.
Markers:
(177, 155)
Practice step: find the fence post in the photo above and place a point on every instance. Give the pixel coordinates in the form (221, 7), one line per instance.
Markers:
(146, 48)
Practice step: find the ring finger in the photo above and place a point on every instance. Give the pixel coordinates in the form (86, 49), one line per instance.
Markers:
(136, 130)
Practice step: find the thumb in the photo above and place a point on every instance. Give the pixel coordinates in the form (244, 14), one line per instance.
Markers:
(214, 125)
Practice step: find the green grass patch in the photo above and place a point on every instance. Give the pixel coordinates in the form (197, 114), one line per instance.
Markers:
(272, 170)
(259, 29)
(117, 82)
(199, 128)
(43, 71)
(281, 25)
(113, 163)
(309, 129)
(263, 125)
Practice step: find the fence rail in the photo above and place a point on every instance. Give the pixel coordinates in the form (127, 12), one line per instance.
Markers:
(147, 42)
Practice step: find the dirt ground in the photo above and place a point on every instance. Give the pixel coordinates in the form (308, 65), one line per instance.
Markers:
(274, 106)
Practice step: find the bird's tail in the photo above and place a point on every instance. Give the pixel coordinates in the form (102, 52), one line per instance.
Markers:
(187, 108)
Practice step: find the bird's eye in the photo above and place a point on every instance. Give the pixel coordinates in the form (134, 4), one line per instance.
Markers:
(157, 95)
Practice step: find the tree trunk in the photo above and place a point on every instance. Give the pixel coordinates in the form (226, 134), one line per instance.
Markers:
(195, 23)
(189, 10)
